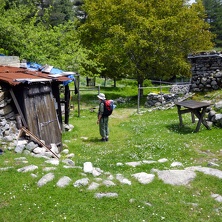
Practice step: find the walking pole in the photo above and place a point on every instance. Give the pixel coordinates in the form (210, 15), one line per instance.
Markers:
(78, 95)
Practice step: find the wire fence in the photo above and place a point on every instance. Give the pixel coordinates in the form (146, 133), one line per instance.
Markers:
(180, 88)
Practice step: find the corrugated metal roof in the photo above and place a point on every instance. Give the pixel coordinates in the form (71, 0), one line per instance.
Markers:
(14, 76)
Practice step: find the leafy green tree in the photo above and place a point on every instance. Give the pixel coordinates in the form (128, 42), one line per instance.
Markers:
(59, 46)
(51, 12)
(214, 18)
(144, 39)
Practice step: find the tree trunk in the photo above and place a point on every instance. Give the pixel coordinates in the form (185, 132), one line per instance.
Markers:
(114, 82)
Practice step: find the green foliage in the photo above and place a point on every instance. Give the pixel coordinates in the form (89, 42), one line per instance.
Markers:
(147, 83)
(23, 35)
(214, 18)
(145, 39)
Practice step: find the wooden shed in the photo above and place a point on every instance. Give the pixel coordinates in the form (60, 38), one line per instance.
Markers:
(36, 101)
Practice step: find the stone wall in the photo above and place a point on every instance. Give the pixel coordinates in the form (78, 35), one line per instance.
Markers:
(206, 71)
(8, 125)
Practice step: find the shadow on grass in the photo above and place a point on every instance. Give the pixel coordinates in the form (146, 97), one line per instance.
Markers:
(93, 140)
(180, 129)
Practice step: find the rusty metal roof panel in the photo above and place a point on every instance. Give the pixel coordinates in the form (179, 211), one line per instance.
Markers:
(14, 76)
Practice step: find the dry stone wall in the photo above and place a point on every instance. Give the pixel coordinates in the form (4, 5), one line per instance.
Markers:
(206, 71)
(8, 127)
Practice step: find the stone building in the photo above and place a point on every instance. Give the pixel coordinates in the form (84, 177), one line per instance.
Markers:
(206, 71)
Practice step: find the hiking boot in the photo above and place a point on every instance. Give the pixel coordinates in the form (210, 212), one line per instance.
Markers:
(103, 140)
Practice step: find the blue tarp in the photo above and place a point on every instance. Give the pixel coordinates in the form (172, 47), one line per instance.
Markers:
(34, 66)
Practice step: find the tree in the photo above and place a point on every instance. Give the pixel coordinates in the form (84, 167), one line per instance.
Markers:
(51, 12)
(214, 18)
(144, 39)
(21, 35)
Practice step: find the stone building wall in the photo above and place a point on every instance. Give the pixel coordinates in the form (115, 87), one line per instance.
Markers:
(206, 71)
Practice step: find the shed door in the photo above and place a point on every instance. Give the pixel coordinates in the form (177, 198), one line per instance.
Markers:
(40, 112)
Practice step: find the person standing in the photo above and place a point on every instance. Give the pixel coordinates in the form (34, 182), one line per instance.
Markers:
(103, 120)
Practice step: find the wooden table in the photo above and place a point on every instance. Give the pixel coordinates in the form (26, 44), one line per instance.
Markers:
(195, 108)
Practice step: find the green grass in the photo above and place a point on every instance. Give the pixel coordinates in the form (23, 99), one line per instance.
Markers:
(148, 136)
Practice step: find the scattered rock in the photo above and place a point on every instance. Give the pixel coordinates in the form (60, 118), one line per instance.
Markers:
(217, 197)
(177, 177)
(207, 170)
(53, 161)
(87, 167)
(176, 164)
(93, 186)
(69, 162)
(101, 195)
(28, 168)
(63, 182)
(144, 178)
(133, 164)
(163, 160)
(122, 180)
(45, 179)
(108, 183)
(81, 182)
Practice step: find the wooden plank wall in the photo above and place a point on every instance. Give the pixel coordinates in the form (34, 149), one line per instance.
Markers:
(40, 111)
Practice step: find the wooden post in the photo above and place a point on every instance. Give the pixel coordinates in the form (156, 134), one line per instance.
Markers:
(18, 108)
(56, 94)
(138, 100)
(67, 100)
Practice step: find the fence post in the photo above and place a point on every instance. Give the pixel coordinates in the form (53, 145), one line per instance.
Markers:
(161, 92)
(138, 100)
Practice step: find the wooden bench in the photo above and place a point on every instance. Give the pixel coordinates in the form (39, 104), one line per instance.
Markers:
(195, 108)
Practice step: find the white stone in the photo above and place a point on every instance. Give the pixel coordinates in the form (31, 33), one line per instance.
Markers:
(39, 150)
(28, 168)
(54, 148)
(101, 195)
(93, 186)
(163, 160)
(108, 183)
(96, 173)
(207, 170)
(47, 169)
(133, 164)
(149, 161)
(53, 161)
(217, 197)
(22, 142)
(70, 156)
(176, 164)
(119, 164)
(69, 162)
(20, 159)
(63, 182)
(81, 182)
(87, 167)
(65, 151)
(45, 179)
(33, 175)
(5, 168)
(143, 177)
(122, 180)
(176, 177)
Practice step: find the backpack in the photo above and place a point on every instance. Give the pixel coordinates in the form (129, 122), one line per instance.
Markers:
(108, 107)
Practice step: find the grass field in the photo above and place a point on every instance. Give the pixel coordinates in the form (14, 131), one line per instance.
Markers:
(133, 137)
